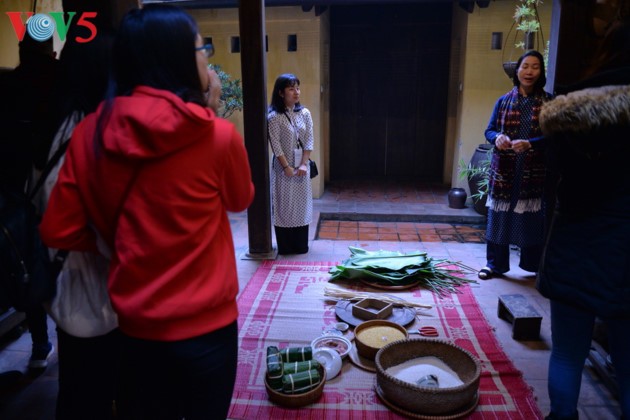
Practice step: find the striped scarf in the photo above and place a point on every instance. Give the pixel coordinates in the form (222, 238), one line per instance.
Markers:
(503, 165)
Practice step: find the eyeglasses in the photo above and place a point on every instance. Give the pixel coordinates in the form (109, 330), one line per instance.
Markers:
(208, 50)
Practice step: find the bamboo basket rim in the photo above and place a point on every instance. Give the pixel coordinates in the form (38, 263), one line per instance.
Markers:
(380, 370)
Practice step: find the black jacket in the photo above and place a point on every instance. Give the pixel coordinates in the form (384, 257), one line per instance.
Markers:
(587, 255)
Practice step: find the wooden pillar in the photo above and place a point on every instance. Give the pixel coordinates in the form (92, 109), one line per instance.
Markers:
(254, 78)
(572, 42)
(554, 30)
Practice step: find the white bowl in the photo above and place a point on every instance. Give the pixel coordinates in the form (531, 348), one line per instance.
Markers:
(329, 359)
(334, 342)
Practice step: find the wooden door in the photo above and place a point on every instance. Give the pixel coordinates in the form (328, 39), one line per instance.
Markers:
(389, 81)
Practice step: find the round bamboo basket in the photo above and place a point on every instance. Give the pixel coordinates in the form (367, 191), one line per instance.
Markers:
(366, 350)
(425, 400)
(298, 400)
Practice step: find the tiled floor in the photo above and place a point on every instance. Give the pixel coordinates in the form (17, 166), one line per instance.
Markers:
(34, 398)
(348, 230)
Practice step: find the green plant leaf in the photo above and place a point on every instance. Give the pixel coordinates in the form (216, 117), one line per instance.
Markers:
(469, 171)
(231, 93)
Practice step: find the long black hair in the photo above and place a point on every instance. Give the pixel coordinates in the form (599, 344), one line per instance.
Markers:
(283, 81)
(542, 80)
(155, 47)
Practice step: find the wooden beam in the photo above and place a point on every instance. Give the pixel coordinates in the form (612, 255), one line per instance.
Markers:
(109, 12)
(572, 41)
(120, 8)
(251, 15)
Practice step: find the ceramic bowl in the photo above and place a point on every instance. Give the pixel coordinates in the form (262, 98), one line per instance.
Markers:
(330, 359)
(334, 342)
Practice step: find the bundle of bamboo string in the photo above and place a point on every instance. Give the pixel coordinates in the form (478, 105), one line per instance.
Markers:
(354, 295)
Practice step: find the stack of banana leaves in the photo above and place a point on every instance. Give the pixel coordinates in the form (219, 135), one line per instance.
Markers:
(393, 268)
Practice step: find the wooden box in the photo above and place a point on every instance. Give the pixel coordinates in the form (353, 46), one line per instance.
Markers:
(372, 309)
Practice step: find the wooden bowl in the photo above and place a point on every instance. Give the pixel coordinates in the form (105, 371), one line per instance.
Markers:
(298, 400)
(369, 350)
(421, 399)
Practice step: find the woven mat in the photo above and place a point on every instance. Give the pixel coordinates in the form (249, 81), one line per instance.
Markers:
(284, 305)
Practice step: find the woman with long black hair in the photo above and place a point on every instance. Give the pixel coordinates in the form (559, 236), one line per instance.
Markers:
(149, 178)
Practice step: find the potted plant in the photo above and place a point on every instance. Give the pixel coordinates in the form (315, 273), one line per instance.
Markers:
(527, 24)
(231, 93)
(477, 173)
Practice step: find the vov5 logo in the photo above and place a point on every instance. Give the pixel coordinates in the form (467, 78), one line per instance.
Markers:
(41, 26)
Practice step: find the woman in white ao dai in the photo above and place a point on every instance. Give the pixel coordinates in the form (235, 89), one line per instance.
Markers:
(291, 139)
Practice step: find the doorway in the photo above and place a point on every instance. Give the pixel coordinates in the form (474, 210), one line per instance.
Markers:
(389, 75)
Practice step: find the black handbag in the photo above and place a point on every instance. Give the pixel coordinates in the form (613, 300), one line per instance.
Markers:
(314, 171)
(311, 163)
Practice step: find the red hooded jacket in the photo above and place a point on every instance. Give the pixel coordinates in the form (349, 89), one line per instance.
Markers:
(156, 190)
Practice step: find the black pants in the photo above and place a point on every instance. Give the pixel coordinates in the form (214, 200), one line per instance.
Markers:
(498, 257)
(37, 321)
(168, 380)
(292, 240)
(88, 369)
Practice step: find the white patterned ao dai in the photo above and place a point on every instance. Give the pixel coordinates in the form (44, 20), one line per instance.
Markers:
(292, 196)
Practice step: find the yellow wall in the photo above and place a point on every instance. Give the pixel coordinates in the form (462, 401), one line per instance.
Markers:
(476, 75)
(305, 63)
(8, 42)
(482, 76)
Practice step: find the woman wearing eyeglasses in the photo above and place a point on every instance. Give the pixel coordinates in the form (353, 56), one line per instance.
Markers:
(152, 175)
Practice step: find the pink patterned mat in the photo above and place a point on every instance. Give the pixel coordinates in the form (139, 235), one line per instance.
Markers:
(284, 305)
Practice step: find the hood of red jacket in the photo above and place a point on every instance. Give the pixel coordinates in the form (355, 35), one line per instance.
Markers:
(152, 123)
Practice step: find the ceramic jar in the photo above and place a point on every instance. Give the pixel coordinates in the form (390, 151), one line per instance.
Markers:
(457, 198)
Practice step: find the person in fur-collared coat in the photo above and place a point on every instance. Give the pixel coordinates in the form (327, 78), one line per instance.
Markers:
(585, 271)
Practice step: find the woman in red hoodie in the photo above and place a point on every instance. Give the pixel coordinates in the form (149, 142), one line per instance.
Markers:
(147, 181)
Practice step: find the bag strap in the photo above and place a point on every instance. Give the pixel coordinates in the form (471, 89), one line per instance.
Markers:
(297, 136)
(60, 256)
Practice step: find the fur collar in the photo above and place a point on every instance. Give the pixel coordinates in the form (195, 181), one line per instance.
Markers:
(586, 111)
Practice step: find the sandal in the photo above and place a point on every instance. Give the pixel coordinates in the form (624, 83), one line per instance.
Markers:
(485, 273)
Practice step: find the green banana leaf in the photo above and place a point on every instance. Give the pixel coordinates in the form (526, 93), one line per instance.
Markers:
(394, 268)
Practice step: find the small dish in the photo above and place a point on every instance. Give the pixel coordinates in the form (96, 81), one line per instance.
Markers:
(329, 359)
(334, 342)
(333, 331)
(341, 326)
